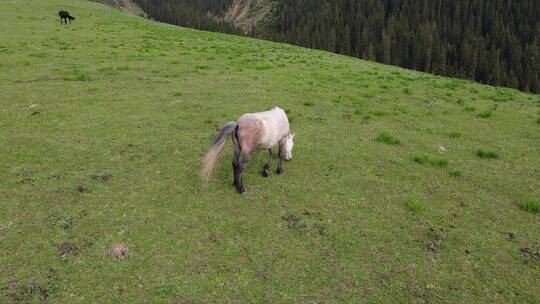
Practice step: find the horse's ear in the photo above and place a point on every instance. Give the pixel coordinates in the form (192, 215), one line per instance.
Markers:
(292, 135)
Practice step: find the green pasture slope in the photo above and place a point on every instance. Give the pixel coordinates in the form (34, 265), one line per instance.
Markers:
(404, 187)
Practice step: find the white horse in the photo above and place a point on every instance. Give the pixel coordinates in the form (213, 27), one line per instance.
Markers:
(262, 130)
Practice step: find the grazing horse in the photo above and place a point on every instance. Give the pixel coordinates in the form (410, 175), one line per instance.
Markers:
(64, 15)
(252, 131)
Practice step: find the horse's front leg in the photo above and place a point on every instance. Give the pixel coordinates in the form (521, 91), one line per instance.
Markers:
(266, 168)
(280, 157)
(246, 157)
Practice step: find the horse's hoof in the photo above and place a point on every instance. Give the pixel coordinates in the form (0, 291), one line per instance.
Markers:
(279, 171)
(265, 173)
(240, 190)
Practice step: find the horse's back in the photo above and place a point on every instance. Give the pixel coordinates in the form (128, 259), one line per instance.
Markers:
(265, 128)
(274, 121)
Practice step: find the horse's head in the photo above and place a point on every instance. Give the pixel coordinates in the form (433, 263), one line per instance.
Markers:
(289, 144)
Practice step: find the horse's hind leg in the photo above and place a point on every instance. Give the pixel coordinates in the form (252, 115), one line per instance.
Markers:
(266, 169)
(280, 157)
(236, 158)
(246, 157)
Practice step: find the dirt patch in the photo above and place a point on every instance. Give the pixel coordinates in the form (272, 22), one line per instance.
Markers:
(68, 224)
(315, 214)
(25, 180)
(26, 293)
(435, 238)
(212, 238)
(510, 235)
(307, 222)
(293, 221)
(129, 151)
(531, 253)
(81, 189)
(320, 229)
(66, 249)
(101, 177)
(54, 176)
(434, 246)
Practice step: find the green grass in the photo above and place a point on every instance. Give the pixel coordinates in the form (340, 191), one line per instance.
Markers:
(414, 206)
(454, 135)
(455, 173)
(485, 114)
(387, 138)
(530, 205)
(96, 149)
(487, 154)
(431, 160)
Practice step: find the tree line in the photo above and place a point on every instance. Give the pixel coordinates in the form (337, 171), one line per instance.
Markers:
(200, 14)
(495, 41)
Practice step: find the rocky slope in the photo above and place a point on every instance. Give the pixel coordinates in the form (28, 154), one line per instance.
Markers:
(246, 14)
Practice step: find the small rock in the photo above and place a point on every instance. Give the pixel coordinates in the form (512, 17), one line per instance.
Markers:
(441, 148)
(119, 251)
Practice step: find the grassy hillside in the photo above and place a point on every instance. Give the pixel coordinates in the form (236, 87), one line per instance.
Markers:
(404, 187)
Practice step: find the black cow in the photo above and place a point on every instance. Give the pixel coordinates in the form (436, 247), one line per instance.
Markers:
(65, 16)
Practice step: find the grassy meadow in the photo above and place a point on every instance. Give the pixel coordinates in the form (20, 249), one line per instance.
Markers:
(403, 188)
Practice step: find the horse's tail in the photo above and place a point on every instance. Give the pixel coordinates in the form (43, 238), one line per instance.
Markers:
(213, 154)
